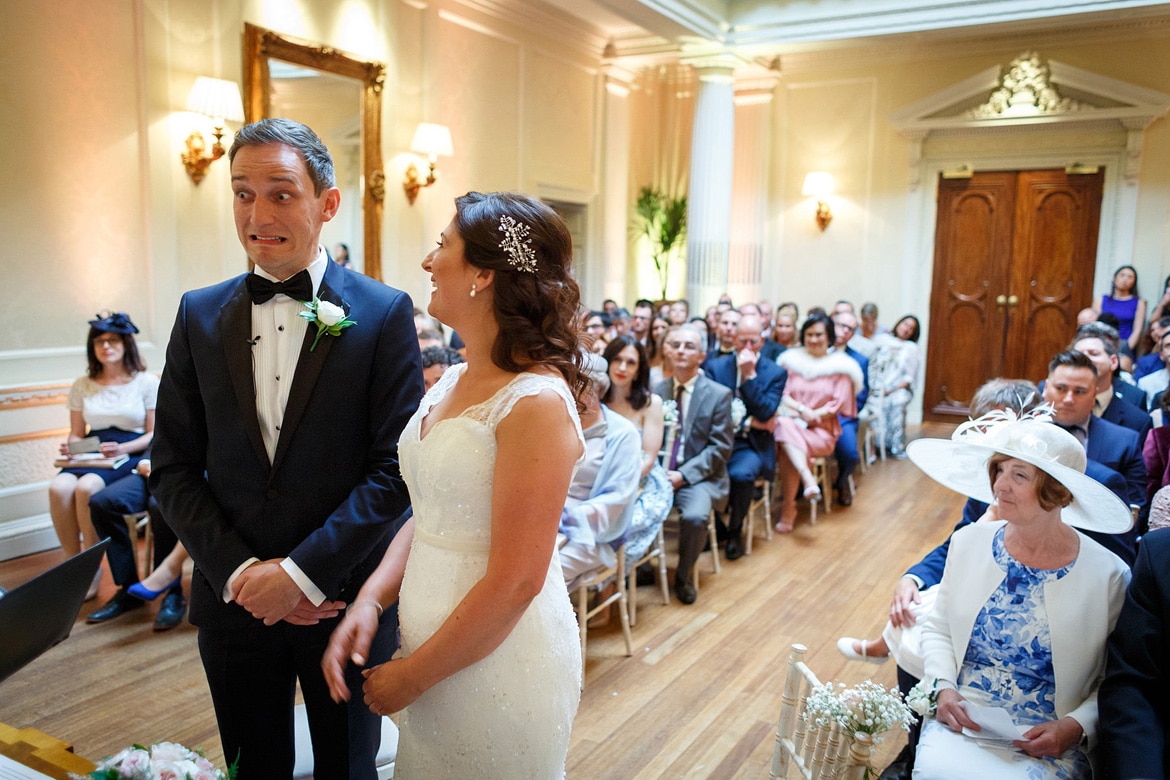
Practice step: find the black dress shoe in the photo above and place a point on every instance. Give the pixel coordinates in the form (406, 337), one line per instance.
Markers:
(171, 613)
(647, 575)
(120, 604)
(844, 495)
(685, 591)
(734, 549)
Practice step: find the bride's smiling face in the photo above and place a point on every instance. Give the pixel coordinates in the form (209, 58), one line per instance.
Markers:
(451, 275)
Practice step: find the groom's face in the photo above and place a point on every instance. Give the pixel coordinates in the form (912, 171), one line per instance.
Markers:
(278, 215)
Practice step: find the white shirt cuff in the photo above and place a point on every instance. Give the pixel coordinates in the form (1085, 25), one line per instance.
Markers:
(311, 591)
(227, 589)
(918, 580)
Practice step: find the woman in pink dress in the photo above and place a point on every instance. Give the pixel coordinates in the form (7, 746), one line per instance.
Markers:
(820, 384)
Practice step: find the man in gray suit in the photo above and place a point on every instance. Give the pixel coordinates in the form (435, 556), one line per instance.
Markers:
(697, 449)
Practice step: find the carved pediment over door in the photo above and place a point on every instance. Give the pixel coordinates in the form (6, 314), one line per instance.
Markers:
(1033, 92)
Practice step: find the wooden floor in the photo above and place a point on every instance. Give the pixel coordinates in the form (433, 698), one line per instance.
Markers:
(699, 698)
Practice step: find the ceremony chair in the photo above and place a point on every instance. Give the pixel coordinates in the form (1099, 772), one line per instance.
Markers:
(815, 752)
(140, 522)
(656, 553)
(825, 483)
(303, 763)
(615, 575)
(761, 504)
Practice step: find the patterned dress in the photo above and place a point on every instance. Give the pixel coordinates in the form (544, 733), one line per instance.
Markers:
(1008, 664)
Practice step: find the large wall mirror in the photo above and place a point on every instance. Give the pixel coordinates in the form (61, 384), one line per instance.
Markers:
(340, 97)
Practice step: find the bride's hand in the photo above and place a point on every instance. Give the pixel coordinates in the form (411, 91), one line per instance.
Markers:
(350, 641)
(390, 687)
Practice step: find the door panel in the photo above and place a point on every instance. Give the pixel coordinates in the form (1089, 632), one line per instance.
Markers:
(1014, 260)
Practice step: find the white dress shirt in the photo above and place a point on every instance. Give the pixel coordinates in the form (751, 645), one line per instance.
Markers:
(278, 333)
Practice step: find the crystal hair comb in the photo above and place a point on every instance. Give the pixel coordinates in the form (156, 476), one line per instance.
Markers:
(517, 244)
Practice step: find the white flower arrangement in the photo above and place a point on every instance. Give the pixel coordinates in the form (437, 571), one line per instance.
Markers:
(164, 761)
(923, 698)
(738, 413)
(670, 412)
(868, 708)
(329, 318)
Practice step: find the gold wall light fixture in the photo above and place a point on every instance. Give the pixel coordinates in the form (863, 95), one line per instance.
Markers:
(220, 100)
(431, 140)
(819, 185)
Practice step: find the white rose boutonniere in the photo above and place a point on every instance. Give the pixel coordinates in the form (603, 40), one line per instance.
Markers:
(738, 414)
(670, 412)
(923, 698)
(329, 318)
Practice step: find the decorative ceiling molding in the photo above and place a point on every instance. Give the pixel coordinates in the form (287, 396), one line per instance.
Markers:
(545, 20)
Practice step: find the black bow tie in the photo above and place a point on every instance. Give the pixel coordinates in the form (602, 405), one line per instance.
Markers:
(299, 287)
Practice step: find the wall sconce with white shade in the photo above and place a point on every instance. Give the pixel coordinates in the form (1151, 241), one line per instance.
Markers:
(433, 141)
(220, 100)
(819, 185)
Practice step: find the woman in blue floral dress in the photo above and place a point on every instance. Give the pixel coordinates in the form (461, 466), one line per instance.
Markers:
(629, 395)
(1025, 604)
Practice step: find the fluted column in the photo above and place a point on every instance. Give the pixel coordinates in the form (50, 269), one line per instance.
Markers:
(750, 177)
(709, 191)
(614, 281)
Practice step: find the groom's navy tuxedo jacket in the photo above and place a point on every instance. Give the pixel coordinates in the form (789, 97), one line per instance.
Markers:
(334, 490)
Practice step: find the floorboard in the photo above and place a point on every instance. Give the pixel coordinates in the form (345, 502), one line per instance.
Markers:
(698, 698)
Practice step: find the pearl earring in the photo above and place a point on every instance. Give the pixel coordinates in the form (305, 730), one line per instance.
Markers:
(473, 291)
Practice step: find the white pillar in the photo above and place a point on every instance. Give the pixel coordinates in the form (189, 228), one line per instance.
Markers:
(750, 178)
(615, 201)
(709, 191)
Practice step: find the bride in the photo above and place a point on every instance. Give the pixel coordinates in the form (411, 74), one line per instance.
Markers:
(490, 670)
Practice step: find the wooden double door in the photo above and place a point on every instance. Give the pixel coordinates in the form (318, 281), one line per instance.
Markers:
(1014, 259)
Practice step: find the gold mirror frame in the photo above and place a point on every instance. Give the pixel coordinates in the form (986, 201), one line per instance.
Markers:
(260, 45)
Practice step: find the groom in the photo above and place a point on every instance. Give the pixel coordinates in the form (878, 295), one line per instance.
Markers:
(276, 458)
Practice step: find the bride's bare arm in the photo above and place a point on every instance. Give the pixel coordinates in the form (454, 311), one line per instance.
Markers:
(351, 639)
(536, 448)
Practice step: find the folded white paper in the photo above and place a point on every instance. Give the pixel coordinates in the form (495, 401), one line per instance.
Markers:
(996, 726)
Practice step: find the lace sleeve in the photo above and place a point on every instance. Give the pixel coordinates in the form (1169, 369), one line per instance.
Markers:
(530, 384)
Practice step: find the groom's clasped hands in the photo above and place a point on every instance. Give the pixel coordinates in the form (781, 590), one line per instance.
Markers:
(269, 594)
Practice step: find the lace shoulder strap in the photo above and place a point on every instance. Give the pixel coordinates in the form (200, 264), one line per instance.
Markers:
(441, 388)
(524, 385)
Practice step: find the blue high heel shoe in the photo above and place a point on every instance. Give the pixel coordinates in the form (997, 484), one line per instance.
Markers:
(140, 591)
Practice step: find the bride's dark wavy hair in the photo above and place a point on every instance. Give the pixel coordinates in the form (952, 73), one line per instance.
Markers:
(537, 311)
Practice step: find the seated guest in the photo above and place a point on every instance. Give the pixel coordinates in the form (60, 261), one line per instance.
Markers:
(697, 449)
(845, 452)
(601, 496)
(1152, 361)
(701, 326)
(1160, 509)
(640, 321)
(597, 327)
(758, 385)
(725, 334)
(821, 384)
(893, 370)
(629, 395)
(660, 367)
(1155, 383)
(1025, 605)
(1134, 699)
(1071, 388)
(621, 321)
(108, 507)
(783, 337)
(436, 361)
(679, 311)
(113, 402)
(428, 337)
(1100, 343)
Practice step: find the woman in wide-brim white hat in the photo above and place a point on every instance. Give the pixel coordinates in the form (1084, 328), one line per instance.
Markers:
(1025, 605)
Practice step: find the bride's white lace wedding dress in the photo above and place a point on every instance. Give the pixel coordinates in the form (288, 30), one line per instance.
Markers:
(509, 715)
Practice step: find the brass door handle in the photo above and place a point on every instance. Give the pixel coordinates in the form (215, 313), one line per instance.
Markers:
(1013, 301)
(1000, 300)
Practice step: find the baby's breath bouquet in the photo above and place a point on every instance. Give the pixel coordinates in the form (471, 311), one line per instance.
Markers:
(867, 707)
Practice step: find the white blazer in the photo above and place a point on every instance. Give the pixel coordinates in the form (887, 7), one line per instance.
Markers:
(1082, 608)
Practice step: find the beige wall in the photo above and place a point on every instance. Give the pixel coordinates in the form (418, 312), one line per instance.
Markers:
(100, 213)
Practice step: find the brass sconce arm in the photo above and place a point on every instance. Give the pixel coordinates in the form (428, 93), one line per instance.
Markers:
(194, 159)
